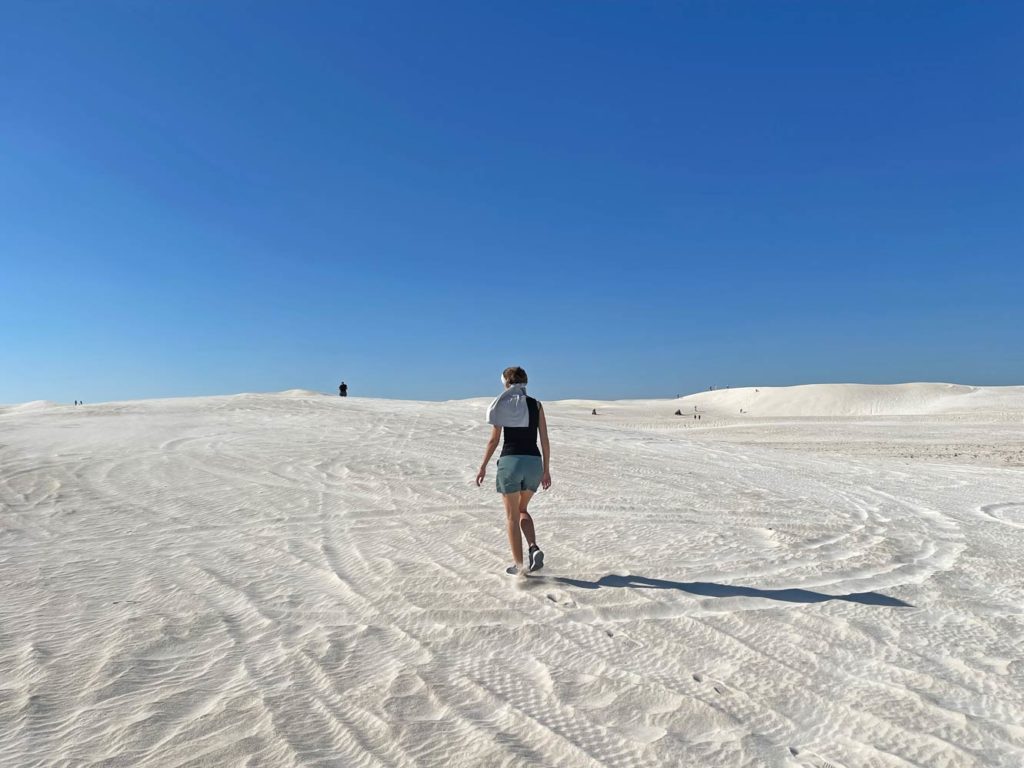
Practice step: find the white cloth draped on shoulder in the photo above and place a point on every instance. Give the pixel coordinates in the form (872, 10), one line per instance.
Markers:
(509, 409)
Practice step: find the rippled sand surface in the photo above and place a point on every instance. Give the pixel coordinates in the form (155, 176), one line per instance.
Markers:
(292, 579)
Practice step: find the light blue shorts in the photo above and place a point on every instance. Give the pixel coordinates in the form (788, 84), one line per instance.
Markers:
(519, 473)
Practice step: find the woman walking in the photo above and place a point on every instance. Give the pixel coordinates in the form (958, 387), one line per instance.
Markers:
(521, 468)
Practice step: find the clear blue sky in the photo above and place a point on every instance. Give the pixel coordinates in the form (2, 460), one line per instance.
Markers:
(628, 199)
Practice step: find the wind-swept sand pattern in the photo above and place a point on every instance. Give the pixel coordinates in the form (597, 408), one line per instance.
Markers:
(296, 579)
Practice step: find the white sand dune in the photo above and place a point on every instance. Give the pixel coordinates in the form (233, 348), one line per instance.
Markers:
(34, 405)
(301, 393)
(840, 400)
(294, 579)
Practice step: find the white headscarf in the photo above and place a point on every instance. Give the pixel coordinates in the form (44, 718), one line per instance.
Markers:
(509, 409)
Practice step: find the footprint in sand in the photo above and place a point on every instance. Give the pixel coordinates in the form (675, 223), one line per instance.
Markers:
(716, 686)
(624, 641)
(1009, 513)
(812, 760)
(561, 599)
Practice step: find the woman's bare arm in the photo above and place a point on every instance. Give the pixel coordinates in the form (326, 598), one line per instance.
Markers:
(492, 445)
(545, 448)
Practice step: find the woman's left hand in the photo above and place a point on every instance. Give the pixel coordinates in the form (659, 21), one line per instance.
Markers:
(481, 475)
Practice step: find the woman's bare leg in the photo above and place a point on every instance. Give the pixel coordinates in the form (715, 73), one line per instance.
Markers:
(515, 539)
(525, 520)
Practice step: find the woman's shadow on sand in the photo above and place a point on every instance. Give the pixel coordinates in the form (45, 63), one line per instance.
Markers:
(709, 589)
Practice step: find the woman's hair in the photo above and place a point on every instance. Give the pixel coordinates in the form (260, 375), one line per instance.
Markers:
(514, 375)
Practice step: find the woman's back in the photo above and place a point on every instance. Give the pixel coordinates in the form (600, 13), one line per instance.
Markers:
(522, 441)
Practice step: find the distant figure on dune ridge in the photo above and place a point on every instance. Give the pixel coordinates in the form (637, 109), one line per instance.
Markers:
(594, 412)
(343, 389)
(521, 468)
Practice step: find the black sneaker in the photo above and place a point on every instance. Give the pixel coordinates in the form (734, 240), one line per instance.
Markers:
(536, 558)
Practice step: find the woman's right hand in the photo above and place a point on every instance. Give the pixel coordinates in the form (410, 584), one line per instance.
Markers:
(480, 476)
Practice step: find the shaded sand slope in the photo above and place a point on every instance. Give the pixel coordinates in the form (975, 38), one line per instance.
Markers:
(305, 580)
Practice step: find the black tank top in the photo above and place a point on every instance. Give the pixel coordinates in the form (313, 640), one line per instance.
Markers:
(522, 441)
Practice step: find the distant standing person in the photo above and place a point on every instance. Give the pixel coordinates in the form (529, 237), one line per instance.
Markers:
(521, 466)
(343, 389)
